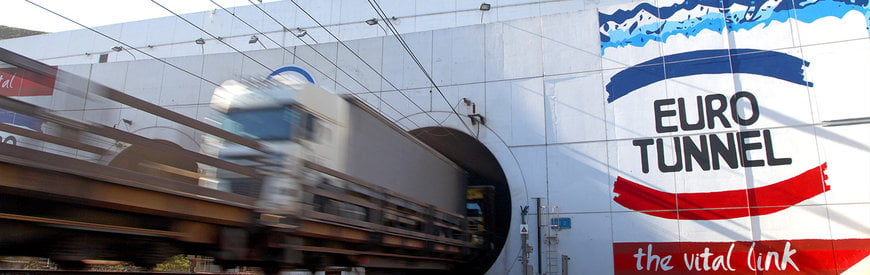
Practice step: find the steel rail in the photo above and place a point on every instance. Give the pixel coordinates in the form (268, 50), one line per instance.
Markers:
(28, 170)
(92, 226)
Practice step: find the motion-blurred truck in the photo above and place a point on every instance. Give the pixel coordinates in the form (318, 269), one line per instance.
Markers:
(331, 160)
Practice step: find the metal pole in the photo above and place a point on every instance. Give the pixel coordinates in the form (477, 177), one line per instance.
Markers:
(525, 241)
(525, 238)
(538, 202)
(565, 259)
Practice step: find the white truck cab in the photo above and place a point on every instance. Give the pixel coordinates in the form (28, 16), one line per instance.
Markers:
(294, 120)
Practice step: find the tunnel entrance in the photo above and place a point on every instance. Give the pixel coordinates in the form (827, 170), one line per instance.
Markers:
(483, 169)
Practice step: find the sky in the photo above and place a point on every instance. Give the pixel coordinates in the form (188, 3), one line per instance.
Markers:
(92, 13)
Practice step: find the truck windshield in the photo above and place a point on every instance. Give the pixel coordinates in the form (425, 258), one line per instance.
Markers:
(266, 124)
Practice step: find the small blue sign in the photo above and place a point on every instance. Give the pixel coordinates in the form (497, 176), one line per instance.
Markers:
(561, 223)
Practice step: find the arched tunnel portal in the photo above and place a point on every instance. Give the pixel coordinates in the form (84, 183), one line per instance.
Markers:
(483, 169)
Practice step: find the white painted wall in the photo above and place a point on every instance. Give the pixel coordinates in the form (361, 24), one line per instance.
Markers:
(536, 72)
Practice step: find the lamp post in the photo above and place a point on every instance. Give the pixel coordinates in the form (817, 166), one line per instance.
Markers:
(524, 235)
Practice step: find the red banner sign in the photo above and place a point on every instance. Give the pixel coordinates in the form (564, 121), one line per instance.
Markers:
(768, 257)
(19, 82)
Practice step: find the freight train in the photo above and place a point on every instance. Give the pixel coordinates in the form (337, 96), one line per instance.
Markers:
(305, 178)
(315, 141)
(299, 122)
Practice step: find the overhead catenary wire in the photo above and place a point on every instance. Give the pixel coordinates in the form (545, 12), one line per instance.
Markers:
(237, 50)
(302, 59)
(219, 39)
(404, 43)
(363, 60)
(401, 40)
(127, 46)
(150, 55)
(316, 51)
(254, 60)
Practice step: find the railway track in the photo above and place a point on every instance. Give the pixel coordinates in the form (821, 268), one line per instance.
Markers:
(93, 191)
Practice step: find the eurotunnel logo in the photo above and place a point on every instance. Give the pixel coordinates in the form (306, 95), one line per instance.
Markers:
(293, 71)
(712, 151)
(643, 24)
(693, 130)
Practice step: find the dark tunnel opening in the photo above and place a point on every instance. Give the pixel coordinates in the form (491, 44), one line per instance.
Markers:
(483, 169)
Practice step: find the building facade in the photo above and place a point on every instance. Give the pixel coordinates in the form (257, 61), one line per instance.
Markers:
(661, 136)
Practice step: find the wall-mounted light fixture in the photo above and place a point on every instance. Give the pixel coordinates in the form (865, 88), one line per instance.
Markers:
(485, 6)
(372, 21)
(199, 41)
(299, 32)
(473, 115)
(119, 49)
(477, 118)
(253, 39)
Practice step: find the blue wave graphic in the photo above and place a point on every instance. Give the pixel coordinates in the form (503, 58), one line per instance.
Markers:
(715, 15)
(747, 61)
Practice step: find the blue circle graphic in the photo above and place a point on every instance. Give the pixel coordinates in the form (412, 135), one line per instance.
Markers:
(295, 69)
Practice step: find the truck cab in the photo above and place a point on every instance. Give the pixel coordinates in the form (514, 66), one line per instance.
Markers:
(295, 121)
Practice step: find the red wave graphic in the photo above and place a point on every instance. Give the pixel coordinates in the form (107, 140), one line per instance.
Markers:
(722, 204)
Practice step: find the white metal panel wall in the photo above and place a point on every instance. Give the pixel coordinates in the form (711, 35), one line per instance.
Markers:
(540, 81)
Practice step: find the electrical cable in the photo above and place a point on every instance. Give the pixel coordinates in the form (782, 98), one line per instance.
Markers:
(122, 43)
(407, 48)
(128, 46)
(237, 50)
(249, 57)
(328, 60)
(401, 40)
(361, 59)
(145, 53)
(219, 39)
(302, 59)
